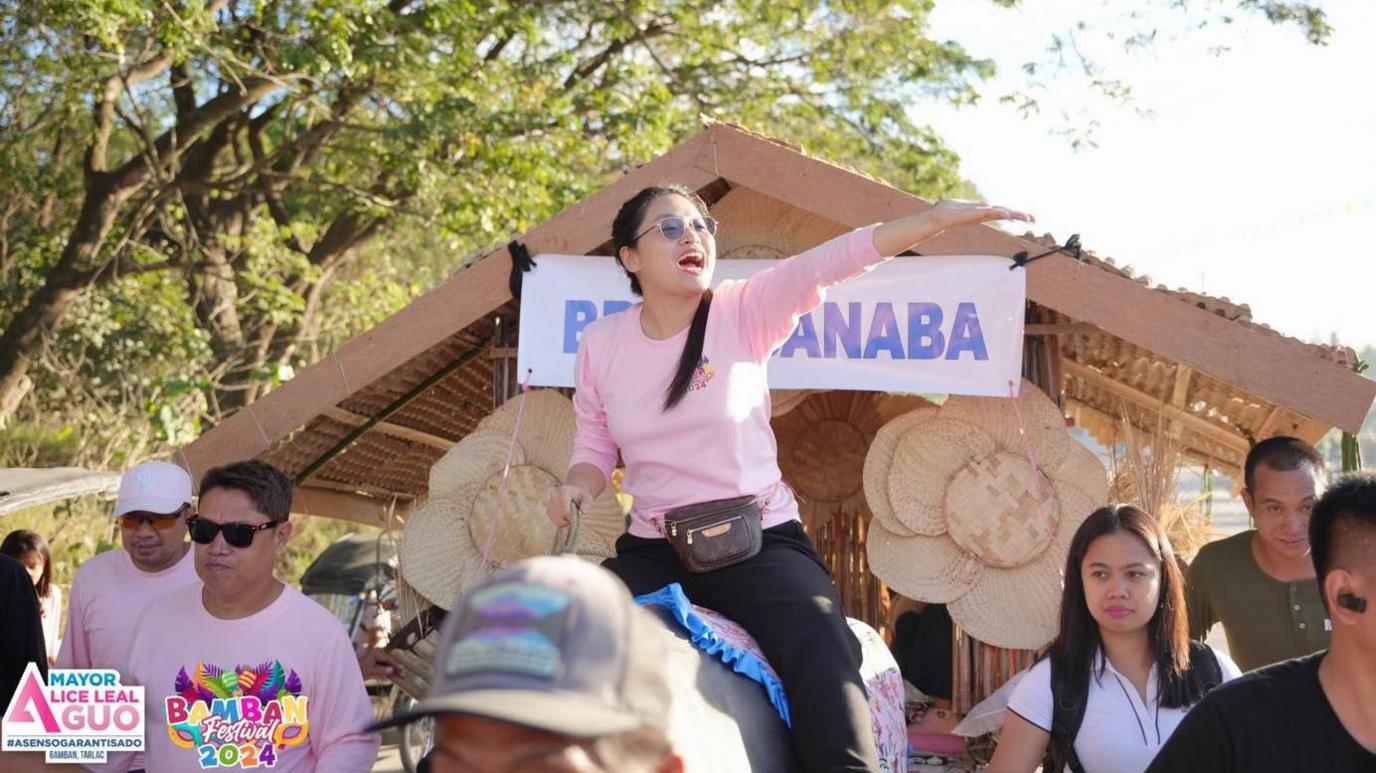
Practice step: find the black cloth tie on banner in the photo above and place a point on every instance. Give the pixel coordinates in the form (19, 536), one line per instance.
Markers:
(1071, 248)
(521, 262)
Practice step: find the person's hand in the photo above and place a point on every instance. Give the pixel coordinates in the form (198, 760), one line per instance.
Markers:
(378, 663)
(953, 214)
(562, 500)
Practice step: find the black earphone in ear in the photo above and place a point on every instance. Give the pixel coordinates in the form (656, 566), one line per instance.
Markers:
(1349, 600)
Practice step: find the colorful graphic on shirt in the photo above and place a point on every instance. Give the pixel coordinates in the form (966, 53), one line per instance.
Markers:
(511, 627)
(703, 374)
(240, 717)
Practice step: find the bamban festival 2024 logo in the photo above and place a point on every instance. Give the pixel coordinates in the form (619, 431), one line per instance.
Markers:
(239, 717)
(77, 716)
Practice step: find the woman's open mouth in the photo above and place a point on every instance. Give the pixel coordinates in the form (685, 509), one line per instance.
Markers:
(692, 262)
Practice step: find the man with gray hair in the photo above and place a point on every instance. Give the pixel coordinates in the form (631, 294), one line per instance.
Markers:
(549, 664)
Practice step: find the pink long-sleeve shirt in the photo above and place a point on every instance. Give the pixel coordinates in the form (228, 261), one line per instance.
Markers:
(717, 442)
(278, 689)
(108, 596)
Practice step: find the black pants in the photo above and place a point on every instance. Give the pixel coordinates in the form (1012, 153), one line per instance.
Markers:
(784, 598)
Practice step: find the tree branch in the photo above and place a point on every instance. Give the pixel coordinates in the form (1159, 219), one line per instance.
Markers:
(174, 141)
(110, 94)
(613, 48)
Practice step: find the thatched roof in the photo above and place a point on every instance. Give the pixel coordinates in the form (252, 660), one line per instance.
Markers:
(406, 389)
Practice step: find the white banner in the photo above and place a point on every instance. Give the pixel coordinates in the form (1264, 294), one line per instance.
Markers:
(934, 324)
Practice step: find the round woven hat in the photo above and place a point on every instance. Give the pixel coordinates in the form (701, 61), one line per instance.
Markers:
(548, 427)
(471, 509)
(961, 483)
(430, 546)
(477, 456)
(822, 446)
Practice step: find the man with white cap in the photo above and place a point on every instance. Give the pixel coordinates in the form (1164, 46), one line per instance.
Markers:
(111, 589)
(550, 665)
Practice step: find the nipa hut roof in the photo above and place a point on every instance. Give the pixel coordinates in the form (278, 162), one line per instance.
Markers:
(360, 429)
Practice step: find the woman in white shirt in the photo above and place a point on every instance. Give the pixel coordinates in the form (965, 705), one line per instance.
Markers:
(1122, 661)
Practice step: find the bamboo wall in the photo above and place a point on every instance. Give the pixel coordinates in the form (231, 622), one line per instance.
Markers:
(841, 544)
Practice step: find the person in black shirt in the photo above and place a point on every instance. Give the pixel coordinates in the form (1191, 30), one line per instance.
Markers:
(1311, 713)
(22, 641)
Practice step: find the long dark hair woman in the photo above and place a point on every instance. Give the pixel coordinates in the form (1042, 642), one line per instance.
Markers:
(31, 549)
(1122, 671)
(676, 387)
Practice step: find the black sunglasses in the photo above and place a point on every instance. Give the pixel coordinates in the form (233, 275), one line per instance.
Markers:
(239, 535)
(673, 227)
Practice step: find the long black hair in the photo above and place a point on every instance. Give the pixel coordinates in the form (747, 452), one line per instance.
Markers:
(1168, 631)
(629, 222)
(22, 541)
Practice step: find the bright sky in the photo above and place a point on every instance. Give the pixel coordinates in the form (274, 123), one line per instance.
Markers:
(1255, 178)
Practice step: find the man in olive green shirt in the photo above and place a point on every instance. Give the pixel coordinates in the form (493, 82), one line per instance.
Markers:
(1260, 583)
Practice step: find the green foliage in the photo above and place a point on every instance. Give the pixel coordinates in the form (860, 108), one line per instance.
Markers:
(1344, 451)
(393, 140)
(76, 530)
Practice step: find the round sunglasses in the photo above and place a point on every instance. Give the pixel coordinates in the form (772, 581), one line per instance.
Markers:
(239, 535)
(673, 227)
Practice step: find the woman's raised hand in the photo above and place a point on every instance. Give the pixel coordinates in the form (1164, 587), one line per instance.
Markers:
(896, 236)
(950, 213)
(562, 501)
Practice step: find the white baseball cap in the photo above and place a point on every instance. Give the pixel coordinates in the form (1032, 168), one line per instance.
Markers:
(153, 487)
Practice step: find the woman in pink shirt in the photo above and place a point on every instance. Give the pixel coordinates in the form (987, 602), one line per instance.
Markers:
(676, 385)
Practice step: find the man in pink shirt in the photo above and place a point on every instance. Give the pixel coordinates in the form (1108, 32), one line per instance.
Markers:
(244, 671)
(112, 589)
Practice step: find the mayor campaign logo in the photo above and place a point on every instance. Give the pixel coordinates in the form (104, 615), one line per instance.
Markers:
(76, 716)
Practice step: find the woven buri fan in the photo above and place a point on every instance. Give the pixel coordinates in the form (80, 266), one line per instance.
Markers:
(444, 541)
(781, 401)
(975, 505)
(822, 446)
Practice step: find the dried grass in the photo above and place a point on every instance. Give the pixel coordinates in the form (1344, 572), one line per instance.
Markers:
(1146, 476)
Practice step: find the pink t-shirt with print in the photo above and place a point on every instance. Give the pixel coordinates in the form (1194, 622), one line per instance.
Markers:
(278, 689)
(717, 442)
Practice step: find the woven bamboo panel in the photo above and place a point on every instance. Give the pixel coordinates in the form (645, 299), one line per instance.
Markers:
(299, 450)
(447, 409)
(385, 463)
(1222, 420)
(452, 407)
(980, 669)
